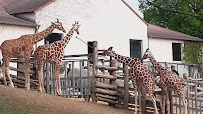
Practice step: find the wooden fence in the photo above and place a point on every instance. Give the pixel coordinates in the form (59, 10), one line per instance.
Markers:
(19, 78)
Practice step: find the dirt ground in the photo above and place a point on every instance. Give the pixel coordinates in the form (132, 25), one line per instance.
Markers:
(14, 100)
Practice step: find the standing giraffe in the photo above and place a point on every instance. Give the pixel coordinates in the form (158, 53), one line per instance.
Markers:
(138, 73)
(169, 81)
(53, 53)
(23, 47)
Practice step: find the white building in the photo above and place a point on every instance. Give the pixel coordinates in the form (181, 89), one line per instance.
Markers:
(110, 22)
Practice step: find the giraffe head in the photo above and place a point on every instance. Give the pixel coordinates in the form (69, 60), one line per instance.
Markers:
(146, 55)
(58, 25)
(76, 27)
(107, 52)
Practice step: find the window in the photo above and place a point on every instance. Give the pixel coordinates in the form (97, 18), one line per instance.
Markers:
(90, 45)
(176, 48)
(53, 37)
(135, 48)
(90, 51)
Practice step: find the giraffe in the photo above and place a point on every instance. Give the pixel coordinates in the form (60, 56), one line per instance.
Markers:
(138, 73)
(53, 53)
(23, 47)
(169, 81)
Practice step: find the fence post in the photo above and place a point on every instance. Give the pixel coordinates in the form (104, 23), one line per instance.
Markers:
(196, 106)
(66, 80)
(143, 100)
(113, 73)
(20, 66)
(170, 95)
(188, 101)
(95, 62)
(126, 86)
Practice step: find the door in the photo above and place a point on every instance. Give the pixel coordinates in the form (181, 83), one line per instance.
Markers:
(53, 37)
(135, 48)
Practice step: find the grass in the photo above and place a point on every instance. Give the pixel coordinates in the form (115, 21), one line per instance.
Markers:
(10, 108)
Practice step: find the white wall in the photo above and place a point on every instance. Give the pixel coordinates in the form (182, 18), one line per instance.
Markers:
(162, 49)
(110, 22)
(8, 32)
(14, 31)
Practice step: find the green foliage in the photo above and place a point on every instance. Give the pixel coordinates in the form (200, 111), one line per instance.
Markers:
(185, 16)
(193, 52)
(160, 13)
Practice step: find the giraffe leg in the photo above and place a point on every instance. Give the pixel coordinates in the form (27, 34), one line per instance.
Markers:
(154, 102)
(185, 104)
(134, 82)
(164, 100)
(135, 91)
(58, 81)
(135, 101)
(40, 78)
(7, 72)
(27, 74)
(3, 72)
(168, 102)
(140, 97)
(184, 101)
(163, 103)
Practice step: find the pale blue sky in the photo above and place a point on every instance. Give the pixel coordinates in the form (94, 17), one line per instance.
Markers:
(135, 5)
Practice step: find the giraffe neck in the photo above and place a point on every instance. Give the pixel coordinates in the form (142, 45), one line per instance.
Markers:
(127, 60)
(41, 35)
(156, 65)
(67, 38)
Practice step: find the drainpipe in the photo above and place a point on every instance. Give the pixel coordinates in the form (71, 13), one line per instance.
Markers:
(149, 37)
(36, 29)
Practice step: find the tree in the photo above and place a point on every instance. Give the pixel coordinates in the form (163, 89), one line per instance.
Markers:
(185, 16)
(193, 52)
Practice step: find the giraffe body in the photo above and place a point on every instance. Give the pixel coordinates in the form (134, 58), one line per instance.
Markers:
(53, 53)
(169, 81)
(139, 74)
(23, 47)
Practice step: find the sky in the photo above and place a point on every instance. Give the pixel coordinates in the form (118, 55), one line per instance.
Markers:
(135, 5)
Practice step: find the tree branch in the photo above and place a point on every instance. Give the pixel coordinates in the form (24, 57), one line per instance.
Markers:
(168, 10)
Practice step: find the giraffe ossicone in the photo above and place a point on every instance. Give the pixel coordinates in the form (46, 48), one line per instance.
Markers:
(23, 48)
(53, 53)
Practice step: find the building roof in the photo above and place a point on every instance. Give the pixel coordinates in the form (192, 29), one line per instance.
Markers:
(9, 19)
(23, 6)
(154, 31)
